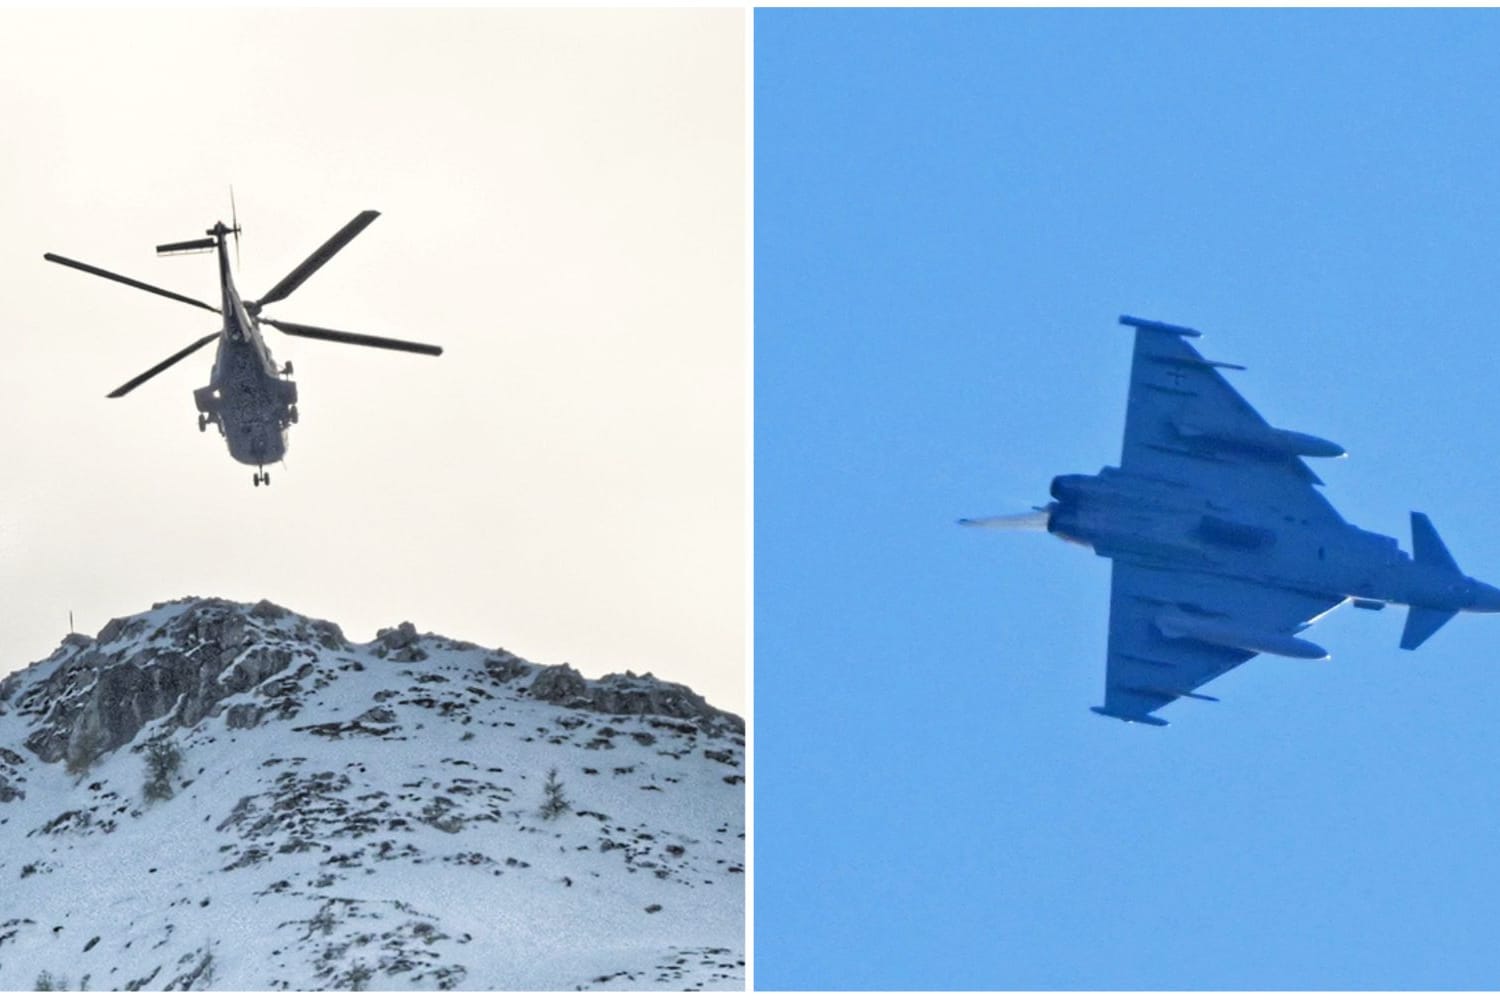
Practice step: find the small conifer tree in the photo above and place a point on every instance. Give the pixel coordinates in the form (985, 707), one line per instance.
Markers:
(46, 984)
(554, 805)
(359, 977)
(163, 761)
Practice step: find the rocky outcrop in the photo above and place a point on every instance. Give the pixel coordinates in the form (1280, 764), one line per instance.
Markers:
(505, 667)
(561, 685)
(400, 644)
(10, 775)
(179, 667)
(629, 694)
(335, 815)
(182, 661)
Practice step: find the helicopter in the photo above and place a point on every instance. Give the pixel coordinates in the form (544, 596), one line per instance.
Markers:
(248, 398)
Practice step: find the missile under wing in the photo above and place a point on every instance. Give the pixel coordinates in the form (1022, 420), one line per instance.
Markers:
(1185, 423)
(1231, 621)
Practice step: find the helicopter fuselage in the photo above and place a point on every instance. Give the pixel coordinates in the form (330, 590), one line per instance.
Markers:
(247, 398)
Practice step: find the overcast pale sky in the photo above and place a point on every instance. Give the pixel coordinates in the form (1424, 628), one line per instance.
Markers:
(562, 198)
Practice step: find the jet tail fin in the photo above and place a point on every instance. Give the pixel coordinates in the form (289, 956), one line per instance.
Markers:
(1427, 547)
(1422, 622)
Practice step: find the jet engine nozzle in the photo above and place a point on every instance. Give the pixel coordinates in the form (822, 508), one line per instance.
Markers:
(1071, 488)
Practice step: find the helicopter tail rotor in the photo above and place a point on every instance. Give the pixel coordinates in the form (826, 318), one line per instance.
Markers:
(234, 222)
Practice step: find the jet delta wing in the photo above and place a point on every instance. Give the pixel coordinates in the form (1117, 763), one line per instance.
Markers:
(1185, 423)
(1151, 612)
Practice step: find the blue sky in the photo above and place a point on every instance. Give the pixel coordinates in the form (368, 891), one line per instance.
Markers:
(952, 208)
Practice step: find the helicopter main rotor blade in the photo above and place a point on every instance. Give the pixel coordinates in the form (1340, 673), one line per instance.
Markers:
(320, 256)
(153, 372)
(360, 339)
(112, 276)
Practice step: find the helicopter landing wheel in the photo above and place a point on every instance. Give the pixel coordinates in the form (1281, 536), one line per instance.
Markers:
(202, 422)
(291, 414)
(286, 369)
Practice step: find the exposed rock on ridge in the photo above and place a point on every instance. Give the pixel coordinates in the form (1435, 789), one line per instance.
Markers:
(96, 701)
(211, 649)
(628, 694)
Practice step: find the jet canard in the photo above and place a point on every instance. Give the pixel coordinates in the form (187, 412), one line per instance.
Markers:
(1223, 547)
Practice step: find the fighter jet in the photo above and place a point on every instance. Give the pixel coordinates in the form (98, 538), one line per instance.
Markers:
(1223, 546)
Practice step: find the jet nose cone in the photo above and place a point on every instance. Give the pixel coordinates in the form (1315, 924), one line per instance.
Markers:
(1486, 598)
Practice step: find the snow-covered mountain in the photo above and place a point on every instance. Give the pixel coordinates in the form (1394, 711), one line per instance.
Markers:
(215, 795)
